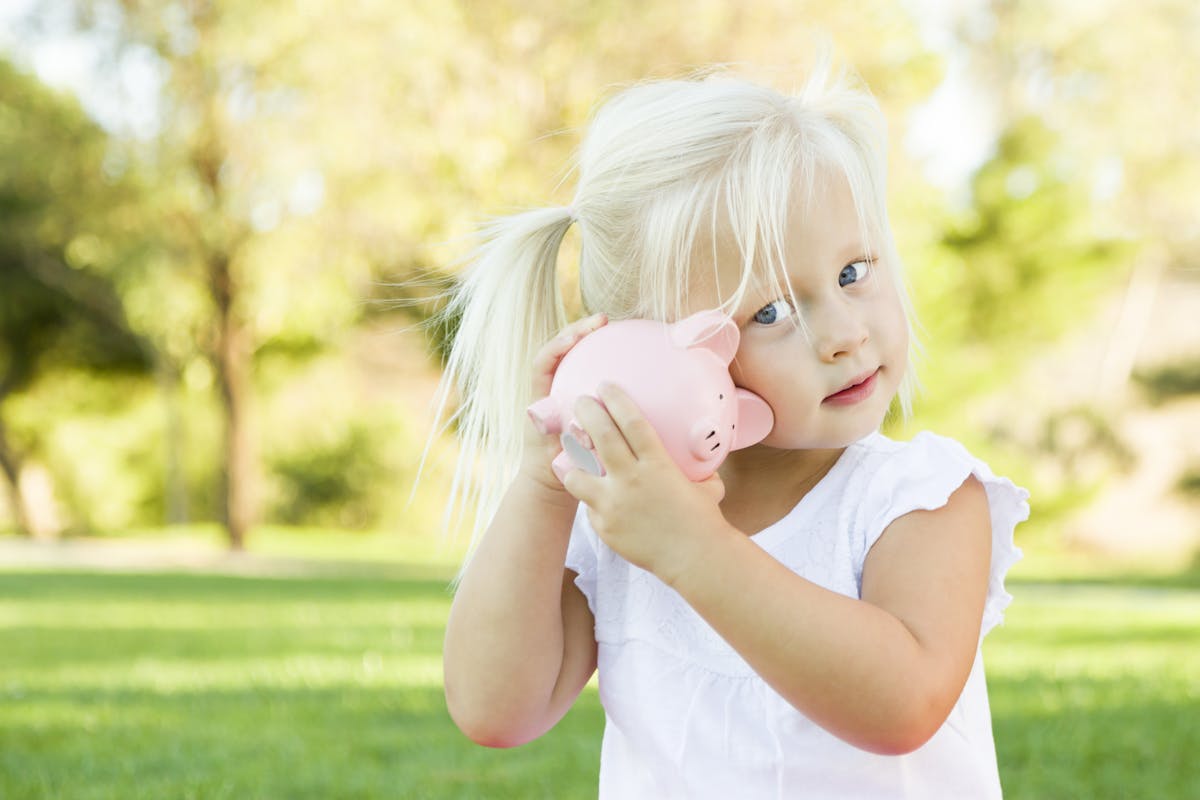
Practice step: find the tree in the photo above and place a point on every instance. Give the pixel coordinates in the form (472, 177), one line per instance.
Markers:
(1108, 80)
(217, 164)
(410, 121)
(58, 305)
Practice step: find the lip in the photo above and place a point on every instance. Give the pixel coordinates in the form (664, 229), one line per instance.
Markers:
(856, 391)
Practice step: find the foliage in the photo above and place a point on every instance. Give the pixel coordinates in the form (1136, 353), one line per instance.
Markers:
(106, 447)
(59, 305)
(296, 165)
(1111, 78)
(1189, 482)
(1024, 246)
(1170, 381)
(332, 483)
(57, 301)
(334, 157)
(1014, 271)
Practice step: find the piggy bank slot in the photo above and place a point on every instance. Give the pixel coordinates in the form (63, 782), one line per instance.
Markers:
(584, 459)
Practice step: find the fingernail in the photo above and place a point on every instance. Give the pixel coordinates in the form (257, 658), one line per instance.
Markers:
(576, 430)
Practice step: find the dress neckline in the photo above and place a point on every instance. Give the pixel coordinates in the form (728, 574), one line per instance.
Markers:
(781, 528)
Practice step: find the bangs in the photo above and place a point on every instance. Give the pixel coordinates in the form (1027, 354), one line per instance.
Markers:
(776, 174)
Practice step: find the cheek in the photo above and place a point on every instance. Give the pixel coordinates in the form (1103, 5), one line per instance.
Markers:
(754, 366)
(772, 370)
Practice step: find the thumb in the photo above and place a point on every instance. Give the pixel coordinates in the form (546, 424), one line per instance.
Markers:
(714, 487)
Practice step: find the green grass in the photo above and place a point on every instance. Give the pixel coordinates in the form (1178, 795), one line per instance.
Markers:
(1095, 690)
(180, 686)
(319, 545)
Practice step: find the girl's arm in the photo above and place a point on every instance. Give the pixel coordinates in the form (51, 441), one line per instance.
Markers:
(882, 672)
(519, 642)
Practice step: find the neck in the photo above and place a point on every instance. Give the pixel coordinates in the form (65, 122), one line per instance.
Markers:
(761, 471)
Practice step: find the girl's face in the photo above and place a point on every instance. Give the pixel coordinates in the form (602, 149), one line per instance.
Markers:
(832, 385)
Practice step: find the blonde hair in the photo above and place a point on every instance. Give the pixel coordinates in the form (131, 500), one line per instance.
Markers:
(659, 161)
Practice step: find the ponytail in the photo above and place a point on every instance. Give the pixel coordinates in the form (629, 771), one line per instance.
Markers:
(507, 305)
(661, 165)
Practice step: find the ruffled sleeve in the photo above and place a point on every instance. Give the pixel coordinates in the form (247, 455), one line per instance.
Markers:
(582, 556)
(921, 475)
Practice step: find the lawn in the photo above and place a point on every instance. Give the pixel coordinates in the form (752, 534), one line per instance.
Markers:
(179, 686)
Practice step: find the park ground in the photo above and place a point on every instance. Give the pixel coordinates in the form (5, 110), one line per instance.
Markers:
(313, 670)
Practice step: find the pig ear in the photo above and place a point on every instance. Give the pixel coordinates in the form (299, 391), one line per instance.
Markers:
(710, 330)
(754, 419)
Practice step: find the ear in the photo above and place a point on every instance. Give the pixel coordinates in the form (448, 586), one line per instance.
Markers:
(710, 330)
(754, 419)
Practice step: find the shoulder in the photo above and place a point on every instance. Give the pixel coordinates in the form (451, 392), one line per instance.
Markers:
(886, 471)
(893, 478)
(876, 449)
(959, 492)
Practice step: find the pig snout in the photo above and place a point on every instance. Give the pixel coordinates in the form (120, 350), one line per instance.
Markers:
(706, 440)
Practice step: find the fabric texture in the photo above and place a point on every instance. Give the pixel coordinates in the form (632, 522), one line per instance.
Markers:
(686, 716)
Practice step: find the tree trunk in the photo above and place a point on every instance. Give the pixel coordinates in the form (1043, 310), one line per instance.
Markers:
(239, 479)
(1137, 312)
(11, 466)
(175, 445)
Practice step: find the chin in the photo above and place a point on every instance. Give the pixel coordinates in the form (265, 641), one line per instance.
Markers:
(831, 440)
(816, 436)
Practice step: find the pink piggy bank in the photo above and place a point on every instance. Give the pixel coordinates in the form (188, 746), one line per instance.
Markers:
(677, 374)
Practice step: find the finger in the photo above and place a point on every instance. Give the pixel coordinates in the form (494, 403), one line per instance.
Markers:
(642, 439)
(606, 437)
(581, 485)
(714, 486)
(587, 324)
(547, 358)
(569, 336)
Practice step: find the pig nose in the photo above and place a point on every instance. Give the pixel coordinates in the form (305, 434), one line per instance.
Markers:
(705, 440)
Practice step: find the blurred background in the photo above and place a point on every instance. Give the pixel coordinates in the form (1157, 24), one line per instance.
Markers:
(223, 223)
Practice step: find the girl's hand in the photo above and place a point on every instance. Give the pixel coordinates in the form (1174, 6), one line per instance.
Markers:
(644, 507)
(540, 449)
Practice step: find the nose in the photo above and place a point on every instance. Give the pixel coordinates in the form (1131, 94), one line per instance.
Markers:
(840, 331)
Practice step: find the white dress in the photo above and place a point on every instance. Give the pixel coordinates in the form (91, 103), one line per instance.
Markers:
(686, 716)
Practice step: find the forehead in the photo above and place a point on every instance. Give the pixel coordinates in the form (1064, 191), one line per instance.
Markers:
(821, 232)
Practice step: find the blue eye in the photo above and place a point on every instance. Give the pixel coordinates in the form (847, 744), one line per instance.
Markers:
(853, 273)
(768, 315)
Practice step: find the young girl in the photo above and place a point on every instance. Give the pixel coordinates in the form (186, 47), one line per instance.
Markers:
(805, 623)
